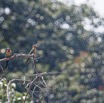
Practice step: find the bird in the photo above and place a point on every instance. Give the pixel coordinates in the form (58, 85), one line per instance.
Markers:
(7, 55)
(33, 50)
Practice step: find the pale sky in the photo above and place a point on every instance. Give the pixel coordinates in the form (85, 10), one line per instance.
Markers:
(98, 5)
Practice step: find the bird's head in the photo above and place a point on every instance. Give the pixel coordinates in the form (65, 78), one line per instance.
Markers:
(34, 46)
(8, 50)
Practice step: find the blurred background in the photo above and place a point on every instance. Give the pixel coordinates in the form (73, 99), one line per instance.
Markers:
(72, 36)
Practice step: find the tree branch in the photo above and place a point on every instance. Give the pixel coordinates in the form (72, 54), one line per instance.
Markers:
(8, 87)
(17, 55)
(43, 73)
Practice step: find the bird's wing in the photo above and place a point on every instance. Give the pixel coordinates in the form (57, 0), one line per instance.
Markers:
(29, 53)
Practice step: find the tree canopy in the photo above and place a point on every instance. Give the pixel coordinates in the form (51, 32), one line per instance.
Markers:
(66, 46)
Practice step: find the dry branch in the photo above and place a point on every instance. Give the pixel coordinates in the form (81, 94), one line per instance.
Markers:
(29, 83)
(17, 55)
(8, 87)
(43, 73)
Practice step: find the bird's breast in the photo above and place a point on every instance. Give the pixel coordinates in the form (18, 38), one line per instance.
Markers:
(8, 54)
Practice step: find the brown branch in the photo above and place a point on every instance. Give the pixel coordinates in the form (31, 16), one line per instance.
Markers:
(43, 73)
(17, 55)
(29, 84)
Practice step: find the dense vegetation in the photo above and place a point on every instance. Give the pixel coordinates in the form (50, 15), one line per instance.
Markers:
(67, 47)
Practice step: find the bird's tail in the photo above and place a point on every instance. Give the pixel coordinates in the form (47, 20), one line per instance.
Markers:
(27, 60)
(6, 64)
(29, 53)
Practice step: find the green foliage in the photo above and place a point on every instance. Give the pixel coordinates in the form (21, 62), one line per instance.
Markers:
(67, 47)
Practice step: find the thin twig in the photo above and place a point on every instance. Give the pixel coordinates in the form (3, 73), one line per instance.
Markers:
(30, 84)
(8, 87)
(44, 83)
(16, 56)
(44, 73)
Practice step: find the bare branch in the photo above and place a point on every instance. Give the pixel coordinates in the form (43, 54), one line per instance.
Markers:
(43, 73)
(44, 83)
(16, 56)
(8, 87)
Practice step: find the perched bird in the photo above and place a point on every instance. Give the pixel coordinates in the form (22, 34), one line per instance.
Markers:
(7, 55)
(32, 51)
